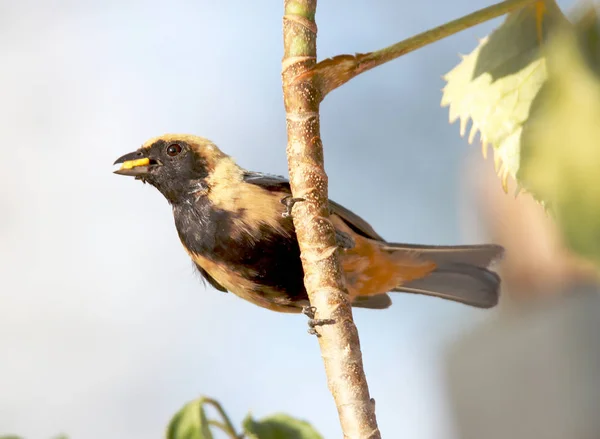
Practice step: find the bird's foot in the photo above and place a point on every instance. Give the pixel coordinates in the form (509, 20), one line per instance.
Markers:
(289, 202)
(309, 311)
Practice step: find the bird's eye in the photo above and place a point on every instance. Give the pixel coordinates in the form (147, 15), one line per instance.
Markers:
(173, 149)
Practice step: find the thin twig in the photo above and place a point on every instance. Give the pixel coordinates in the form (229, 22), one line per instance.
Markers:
(340, 347)
(221, 426)
(332, 73)
(226, 425)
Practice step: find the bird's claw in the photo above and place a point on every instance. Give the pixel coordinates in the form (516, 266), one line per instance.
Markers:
(309, 311)
(289, 201)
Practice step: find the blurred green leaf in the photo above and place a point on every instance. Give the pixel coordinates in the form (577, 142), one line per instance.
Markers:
(495, 84)
(561, 143)
(190, 422)
(279, 426)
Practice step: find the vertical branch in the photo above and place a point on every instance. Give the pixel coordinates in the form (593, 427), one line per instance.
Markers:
(340, 347)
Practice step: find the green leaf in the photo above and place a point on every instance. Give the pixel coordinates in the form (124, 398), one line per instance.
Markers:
(190, 422)
(495, 85)
(561, 144)
(279, 426)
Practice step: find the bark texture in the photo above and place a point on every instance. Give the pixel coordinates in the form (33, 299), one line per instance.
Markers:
(340, 347)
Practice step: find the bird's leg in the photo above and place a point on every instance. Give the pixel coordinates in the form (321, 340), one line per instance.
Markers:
(289, 201)
(344, 241)
(309, 311)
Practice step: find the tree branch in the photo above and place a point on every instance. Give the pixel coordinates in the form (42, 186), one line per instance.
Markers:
(332, 73)
(340, 347)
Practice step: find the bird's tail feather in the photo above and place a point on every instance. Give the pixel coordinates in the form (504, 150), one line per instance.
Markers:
(461, 275)
(479, 255)
(468, 284)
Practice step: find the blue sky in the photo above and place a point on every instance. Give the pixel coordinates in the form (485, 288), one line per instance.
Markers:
(105, 330)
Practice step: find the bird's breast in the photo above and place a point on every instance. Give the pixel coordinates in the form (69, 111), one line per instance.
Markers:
(252, 259)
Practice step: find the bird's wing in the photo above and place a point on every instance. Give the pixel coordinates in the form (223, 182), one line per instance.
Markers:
(268, 181)
(380, 301)
(355, 222)
(281, 184)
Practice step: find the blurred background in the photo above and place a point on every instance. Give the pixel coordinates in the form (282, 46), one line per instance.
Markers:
(105, 329)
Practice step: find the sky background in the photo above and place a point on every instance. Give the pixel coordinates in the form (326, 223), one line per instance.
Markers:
(105, 329)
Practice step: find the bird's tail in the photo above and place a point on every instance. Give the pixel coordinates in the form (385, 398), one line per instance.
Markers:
(461, 273)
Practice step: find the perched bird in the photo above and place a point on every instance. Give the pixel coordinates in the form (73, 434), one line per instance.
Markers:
(234, 226)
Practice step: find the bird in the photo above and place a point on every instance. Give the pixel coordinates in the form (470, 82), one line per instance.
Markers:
(236, 228)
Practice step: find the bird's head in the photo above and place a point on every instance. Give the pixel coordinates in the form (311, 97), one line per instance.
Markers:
(176, 164)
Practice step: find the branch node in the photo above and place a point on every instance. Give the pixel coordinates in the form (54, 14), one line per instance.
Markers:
(291, 61)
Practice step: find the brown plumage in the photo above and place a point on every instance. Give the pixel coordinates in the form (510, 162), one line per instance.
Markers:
(231, 223)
